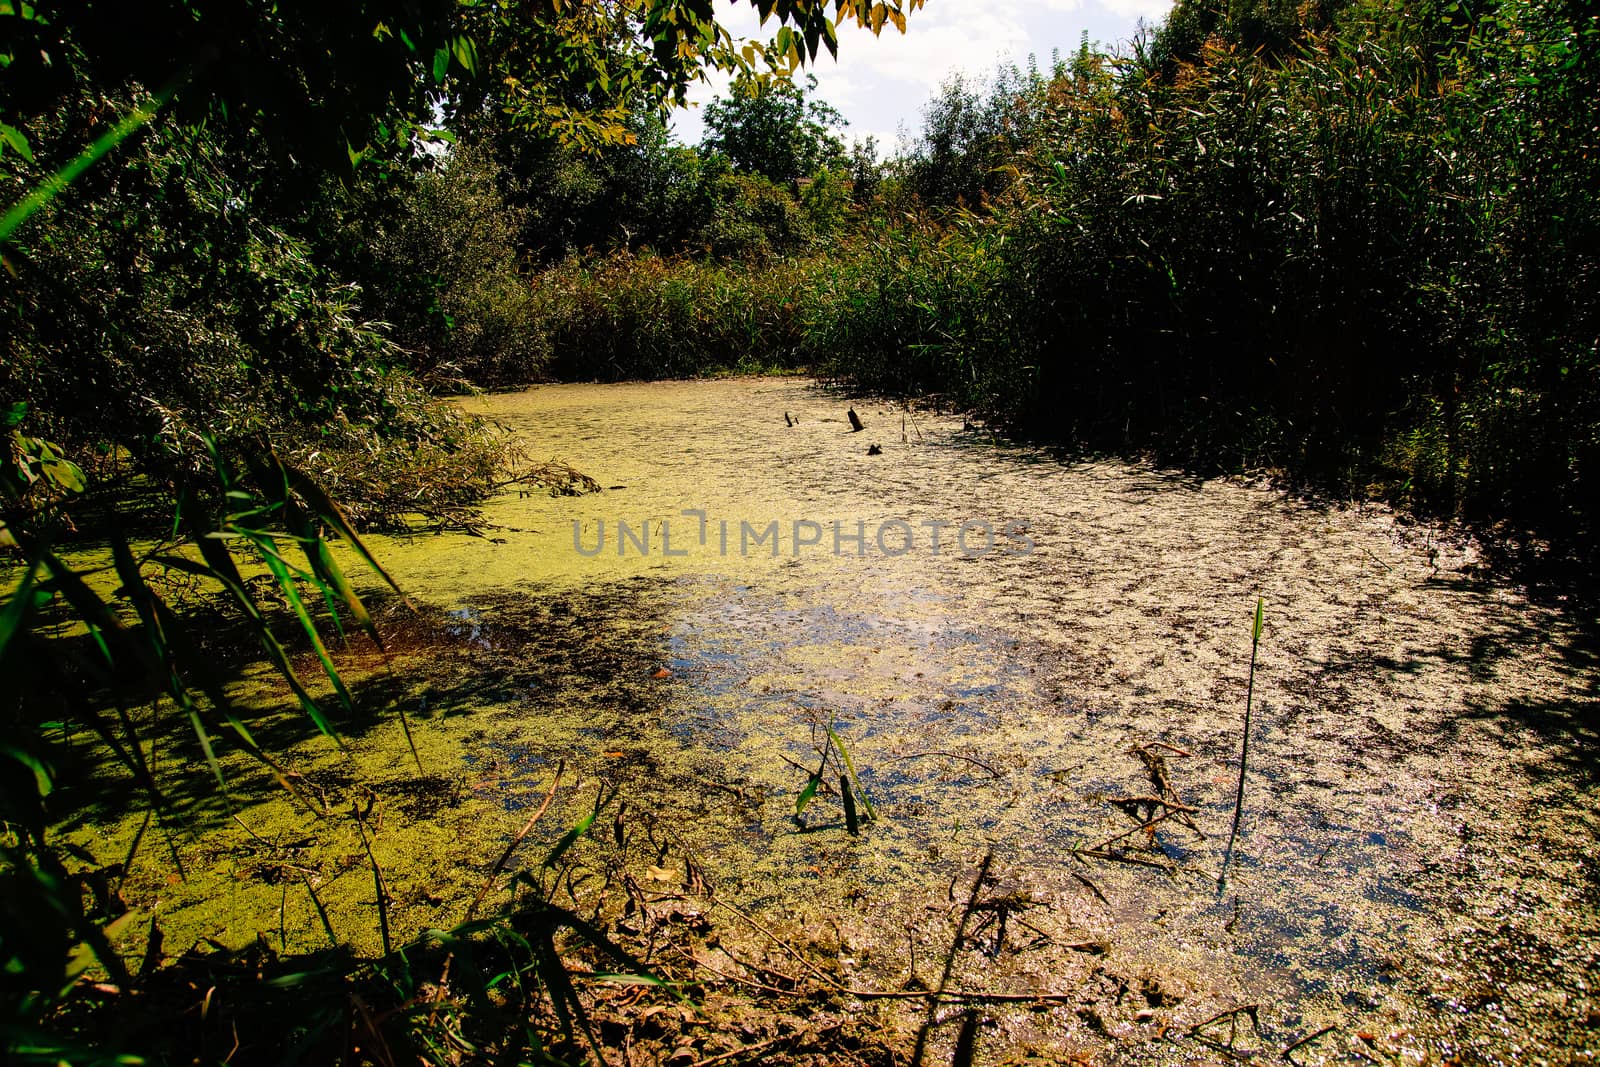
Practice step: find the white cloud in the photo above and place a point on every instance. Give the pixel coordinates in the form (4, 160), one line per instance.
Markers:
(1149, 10)
(882, 84)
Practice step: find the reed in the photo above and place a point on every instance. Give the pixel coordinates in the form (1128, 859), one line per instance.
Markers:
(1244, 747)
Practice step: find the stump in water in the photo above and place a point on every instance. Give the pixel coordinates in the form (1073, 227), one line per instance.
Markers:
(874, 450)
(855, 421)
(787, 421)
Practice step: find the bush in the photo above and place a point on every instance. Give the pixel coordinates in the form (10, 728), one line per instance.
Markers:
(643, 316)
(446, 277)
(192, 326)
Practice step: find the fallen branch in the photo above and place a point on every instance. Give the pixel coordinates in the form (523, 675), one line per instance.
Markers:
(948, 755)
(505, 857)
(1288, 1053)
(1123, 858)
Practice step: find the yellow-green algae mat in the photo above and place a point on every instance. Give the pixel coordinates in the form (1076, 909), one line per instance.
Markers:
(1415, 878)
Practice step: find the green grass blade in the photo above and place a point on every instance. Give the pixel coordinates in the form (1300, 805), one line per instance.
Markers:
(330, 513)
(866, 802)
(568, 838)
(286, 582)
(806, 794)
(18, 607)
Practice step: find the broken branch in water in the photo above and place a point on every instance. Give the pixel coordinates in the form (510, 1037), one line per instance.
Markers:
(1232, 1015)
(505, 857)
(1288, 1053)
(948, 755)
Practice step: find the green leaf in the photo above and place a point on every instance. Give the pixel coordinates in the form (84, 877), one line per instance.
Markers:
(63, 472)
(17, 609)
(569, 837)
(223, 570)
(851, 767)
(331, 514)
(331, 575)
(441, 64)
(286, 583)
(148, 605)
(806, 794)
(1255, 634)
(52, 186)
(466, 54)
(18, 141)
(41, 774)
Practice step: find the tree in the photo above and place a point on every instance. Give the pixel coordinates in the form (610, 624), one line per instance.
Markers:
(775, 131)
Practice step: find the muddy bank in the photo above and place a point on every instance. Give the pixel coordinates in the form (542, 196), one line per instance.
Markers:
(1415, 868)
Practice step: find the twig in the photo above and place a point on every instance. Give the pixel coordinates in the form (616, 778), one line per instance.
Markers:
(914, 425)
(505, 857)
(1092, 888)
(780, 942)
(1232, 1015)
(1123, 858)
(1288, 1053)
(757, 1047)
(822, 783)
(384, 1055)
(948, 755)
(773, 972)
(252, 833)
(735, 790)
(444, 983)
(1157, 821)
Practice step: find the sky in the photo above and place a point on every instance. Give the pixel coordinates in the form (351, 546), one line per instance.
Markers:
(881, 85)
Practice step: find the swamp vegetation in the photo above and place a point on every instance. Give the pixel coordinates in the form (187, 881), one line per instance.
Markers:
(351, 714)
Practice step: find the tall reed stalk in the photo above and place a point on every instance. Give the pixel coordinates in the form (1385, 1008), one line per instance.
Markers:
(1244, 749)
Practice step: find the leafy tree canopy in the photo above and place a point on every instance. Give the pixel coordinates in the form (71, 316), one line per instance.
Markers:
(773, 130)
(326, 81)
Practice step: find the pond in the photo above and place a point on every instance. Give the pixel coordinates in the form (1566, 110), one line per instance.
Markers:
(1025, 658)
